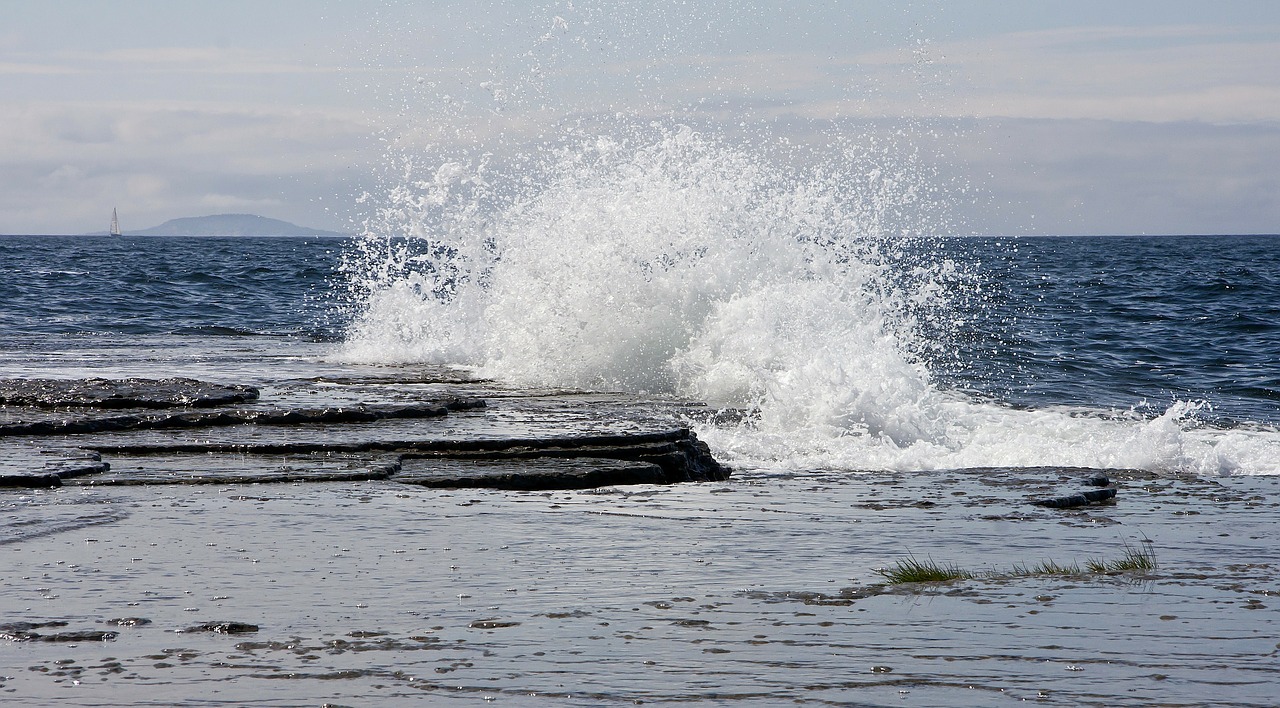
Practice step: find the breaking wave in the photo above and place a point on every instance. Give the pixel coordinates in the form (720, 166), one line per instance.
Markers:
(671, 263)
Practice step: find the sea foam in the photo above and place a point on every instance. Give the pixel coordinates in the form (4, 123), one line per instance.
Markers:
(665, 261)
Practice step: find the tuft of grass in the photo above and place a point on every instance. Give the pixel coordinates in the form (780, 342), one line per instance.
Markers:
(910, 570)
(1135, 559)
(1046, 567)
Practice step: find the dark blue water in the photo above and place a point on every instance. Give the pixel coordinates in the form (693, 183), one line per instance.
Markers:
(1096, 322)
(195, 286)
(1128, 322)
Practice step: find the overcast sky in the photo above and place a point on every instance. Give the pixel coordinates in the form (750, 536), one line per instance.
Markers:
(1080, 117)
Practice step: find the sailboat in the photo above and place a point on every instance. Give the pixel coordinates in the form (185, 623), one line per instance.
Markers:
(115, 223)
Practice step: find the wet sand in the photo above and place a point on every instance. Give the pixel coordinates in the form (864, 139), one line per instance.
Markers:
(758, 590)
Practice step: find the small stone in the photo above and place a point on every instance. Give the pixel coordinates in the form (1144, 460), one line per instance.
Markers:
(223, 628)
(128, 621)
(492, 624)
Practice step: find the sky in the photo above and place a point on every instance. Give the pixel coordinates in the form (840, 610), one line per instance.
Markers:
(1083, 117)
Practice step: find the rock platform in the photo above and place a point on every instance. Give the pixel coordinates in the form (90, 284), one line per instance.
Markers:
(96, 432)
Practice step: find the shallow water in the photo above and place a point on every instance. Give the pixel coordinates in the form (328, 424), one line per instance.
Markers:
(750, 591)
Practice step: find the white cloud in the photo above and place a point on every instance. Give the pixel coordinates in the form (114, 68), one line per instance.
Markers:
(67, 163)
(1155, 74)
(235, 203)
(166, 130)
(62, 177)
(166, 60)
(1144, 74)
(1109, 177)
(34, 68)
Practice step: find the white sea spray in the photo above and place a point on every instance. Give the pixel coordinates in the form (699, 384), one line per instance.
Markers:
(674, 263)
(717, 262)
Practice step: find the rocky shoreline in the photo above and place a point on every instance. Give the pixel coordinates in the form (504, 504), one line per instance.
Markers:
(53, 416)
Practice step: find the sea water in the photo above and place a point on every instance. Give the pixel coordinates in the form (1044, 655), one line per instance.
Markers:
(1156, 352)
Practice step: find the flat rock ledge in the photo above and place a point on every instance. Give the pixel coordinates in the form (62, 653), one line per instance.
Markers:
(580, 462)
(132, 445)
(210, 419)
(121, 393)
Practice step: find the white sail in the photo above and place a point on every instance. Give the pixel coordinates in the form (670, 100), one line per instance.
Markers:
(115, 223)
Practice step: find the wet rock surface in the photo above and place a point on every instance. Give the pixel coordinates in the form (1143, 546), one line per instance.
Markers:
(223, 628)
(34, 480)
(121, 393)
(540, 474)
(25, 632)
(34, 467)
(129, 621)
(1094, 496)
(286, 441)
(202, 419)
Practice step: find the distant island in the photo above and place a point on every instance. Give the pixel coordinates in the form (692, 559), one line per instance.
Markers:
(230, 225)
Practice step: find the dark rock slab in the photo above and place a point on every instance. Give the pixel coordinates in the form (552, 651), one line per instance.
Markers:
(87, 635)
(30, 480)
(121, 393)
(678, 453)
(429, 375)
(493, 624)
(24, 632)
(223, 628)
(496, 447)
(86, 462)
(128, 622)
(1075, 500)
(528, 475)
(31, 467)
(182, 431)
(227, 417)
(664, 457)
(242, 469)
(134, 445)
(682, 456)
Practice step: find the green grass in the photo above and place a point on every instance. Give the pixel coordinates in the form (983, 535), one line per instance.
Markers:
(911, 570)
(1096, 565)
(1046, 567)
(1133, 559)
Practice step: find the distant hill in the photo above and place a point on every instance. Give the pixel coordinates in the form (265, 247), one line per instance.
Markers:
(230, 225)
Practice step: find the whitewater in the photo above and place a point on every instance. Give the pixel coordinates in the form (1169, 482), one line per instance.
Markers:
(814, 299)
